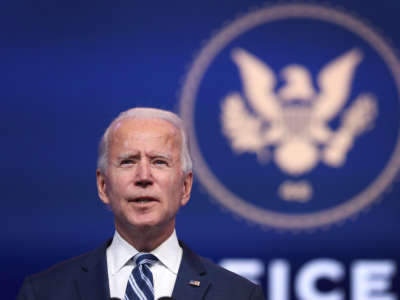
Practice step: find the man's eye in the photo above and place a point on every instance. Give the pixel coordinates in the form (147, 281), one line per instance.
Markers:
(126, 161)
(160, 162)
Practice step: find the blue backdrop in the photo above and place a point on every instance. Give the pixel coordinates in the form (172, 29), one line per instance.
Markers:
(69, 67)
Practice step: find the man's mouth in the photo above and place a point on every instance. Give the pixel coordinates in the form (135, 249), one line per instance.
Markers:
(143, 200)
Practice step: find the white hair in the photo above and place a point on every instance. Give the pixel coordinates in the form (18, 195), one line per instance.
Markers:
(146, 113)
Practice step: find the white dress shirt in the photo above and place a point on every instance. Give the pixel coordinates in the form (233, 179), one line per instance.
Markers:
(165, 270)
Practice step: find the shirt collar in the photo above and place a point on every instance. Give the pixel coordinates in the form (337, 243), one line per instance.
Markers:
(169, 253)
(120, 253)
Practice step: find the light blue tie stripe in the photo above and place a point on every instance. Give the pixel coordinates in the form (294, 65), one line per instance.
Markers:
(140, 282)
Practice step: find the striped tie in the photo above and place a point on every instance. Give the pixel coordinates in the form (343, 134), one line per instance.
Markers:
(140, 283)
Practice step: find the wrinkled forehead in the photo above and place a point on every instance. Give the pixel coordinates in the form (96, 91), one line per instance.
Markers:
(145, 130)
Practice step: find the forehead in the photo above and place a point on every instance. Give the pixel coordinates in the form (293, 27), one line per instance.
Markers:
(144, 132)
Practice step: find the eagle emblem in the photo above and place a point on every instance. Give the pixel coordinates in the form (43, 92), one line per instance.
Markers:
(289, 123)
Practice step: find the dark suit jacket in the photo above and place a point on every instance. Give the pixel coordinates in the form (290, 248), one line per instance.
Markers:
(85, 278)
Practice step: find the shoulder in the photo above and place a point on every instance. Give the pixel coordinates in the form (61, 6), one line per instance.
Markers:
(75, 264)
(222, 275)
(224, 284)
(59, 279)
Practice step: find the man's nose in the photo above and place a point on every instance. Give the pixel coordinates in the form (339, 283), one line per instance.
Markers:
(143, 175)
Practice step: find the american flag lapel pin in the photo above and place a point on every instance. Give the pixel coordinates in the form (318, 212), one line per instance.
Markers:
(194, 282)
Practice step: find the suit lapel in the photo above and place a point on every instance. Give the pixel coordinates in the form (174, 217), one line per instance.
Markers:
(93, 281)
(191, 281)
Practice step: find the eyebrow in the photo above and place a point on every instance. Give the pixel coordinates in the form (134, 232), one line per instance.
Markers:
(151, 155)
(128, 155)
(161, 155)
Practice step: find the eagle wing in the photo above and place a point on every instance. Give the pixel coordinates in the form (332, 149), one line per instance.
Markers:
(258, 84)
(334, 81)
(242, 129)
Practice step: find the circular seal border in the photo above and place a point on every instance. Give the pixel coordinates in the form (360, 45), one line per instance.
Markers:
(192, 82)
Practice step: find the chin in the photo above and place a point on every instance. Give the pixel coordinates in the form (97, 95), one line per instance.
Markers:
(144, 221)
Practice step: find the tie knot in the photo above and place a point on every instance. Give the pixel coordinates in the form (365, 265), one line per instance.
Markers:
(144, 259)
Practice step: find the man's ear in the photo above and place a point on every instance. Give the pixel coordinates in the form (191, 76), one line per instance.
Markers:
(102, 187)
(187, 187)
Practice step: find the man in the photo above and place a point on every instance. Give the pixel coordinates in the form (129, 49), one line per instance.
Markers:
(144, 175)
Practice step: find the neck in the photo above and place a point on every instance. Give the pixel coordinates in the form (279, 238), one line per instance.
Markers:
(145, 239)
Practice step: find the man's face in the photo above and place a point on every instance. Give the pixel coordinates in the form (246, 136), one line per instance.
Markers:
(144, 184)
